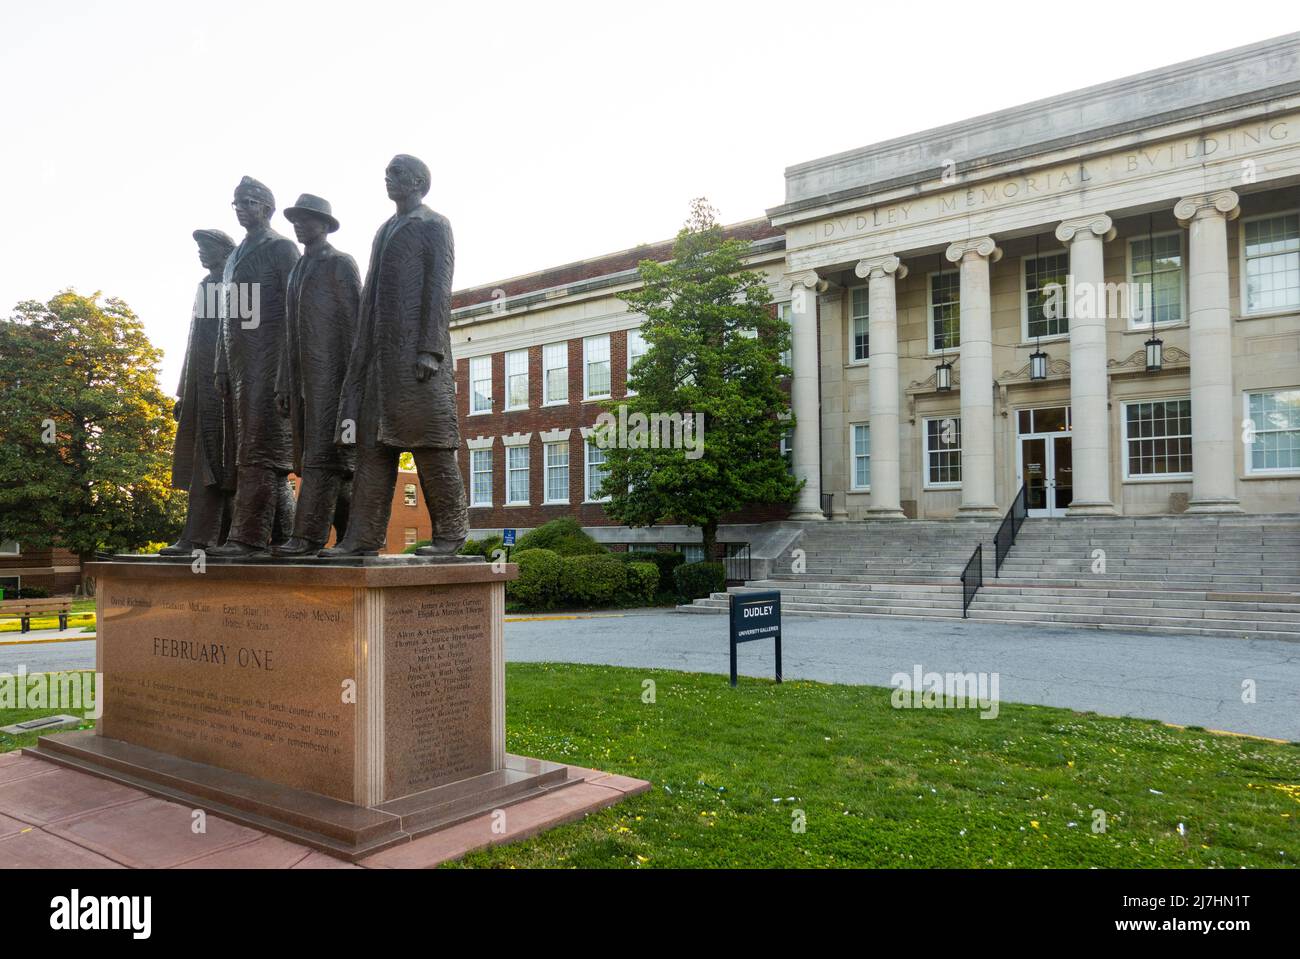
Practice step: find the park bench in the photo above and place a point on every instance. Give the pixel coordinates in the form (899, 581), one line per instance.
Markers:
(24, 609)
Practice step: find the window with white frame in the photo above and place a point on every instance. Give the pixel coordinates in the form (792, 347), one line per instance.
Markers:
(1273, 431)
(516, 474)
(480, 481)
(1272, 257)
(1158, 439)
(636, 348)
(1039, 273)
(945, 311)
(10, 547)
(943, 452)
(596, 472)
(692, 552)
(787, 449)
(787, 355)
(480, 384)
(595, 374)
(555, 373)
(557, 472)
(861, 456)
(1156, 262)
(409, 495)
(517, 380)
(409, 535)
(860, 324)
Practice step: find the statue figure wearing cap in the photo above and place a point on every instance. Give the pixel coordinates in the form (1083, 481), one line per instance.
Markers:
(248, 358)
(324, 297)
(203, 462)
(399, 393)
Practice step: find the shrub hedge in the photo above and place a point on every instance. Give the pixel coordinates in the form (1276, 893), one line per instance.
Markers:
(592, 580)
(642, 582)
(562, 536)
(538, 585)
(698, 580)
(664, 562)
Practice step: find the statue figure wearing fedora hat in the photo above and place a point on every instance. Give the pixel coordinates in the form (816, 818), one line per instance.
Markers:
(323, 300)
(248, 357)
(399, 393)
(203, 461)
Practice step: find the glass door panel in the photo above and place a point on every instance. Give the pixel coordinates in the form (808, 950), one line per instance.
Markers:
(1063, 474)
(1033, 465)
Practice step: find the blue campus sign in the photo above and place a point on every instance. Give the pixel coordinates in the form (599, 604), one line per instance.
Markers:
(755, 616)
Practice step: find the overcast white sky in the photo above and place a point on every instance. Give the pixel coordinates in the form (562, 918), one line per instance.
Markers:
(555, 131)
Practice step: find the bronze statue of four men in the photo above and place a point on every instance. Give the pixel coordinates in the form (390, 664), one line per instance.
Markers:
(294, 366)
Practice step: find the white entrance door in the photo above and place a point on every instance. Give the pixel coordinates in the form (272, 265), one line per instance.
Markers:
(1044, 460)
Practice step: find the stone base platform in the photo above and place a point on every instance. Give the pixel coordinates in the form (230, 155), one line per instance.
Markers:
(77, 801)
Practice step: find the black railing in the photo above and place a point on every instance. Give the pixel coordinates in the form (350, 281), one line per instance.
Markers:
(1005, 537)
(972, 578)
(738, 564)
(828, 502)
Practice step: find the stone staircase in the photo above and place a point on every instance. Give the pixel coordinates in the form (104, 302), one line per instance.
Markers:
(1207, 575)
(872, 568)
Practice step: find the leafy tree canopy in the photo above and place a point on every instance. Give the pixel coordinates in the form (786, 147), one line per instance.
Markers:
(86, 433)
(714, 347)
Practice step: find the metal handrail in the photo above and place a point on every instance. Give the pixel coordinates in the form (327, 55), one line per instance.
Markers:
(971, 581)
(738, 563)
(1005, 537)
(828, 504)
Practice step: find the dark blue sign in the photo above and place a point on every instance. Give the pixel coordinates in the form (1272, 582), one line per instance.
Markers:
(507, 537)
(755, 616)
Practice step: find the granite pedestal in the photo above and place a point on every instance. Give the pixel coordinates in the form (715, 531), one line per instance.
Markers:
(349, 706)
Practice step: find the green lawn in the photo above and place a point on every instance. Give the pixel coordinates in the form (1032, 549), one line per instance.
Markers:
(8, 717)
(882, 787)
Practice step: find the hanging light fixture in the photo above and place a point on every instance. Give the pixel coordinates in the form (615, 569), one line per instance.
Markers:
(1155, 346)
(1038, 359)
(943, 372)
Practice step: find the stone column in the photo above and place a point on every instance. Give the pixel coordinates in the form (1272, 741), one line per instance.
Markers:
(882, 383)
(1214, 404)
(978, 494)
(804, 393)
(1089, 381)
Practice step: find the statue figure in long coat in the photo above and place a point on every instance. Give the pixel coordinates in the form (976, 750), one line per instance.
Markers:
(323, 301)
(256, 279)
(203, 460)
(399, 393)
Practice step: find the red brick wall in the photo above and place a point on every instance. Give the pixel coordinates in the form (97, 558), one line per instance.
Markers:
(35, 567)
(405, 517)
(537, 418)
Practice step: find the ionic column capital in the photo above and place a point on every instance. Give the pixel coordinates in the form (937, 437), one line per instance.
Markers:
(1223, 203)
(984, 246)
(878, 266)
(807, 279)
(1099, 224)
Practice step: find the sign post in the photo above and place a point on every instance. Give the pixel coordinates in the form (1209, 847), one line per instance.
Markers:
(507, 540)
(755, 616)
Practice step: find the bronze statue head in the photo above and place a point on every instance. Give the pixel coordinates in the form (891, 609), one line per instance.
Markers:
(254, 204)
(407, 177)
(312, 218)
(215, 247)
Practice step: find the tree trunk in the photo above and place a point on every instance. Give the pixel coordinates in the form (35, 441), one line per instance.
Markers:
(87, 581)
(710, 533)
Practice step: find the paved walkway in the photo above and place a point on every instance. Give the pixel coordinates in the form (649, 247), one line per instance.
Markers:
(56, 818)
(1189, 680)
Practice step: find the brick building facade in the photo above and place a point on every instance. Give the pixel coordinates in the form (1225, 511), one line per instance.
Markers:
(536, 358)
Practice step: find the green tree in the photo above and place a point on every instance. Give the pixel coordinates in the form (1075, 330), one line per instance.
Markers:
(714, 348)
(86, 432)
